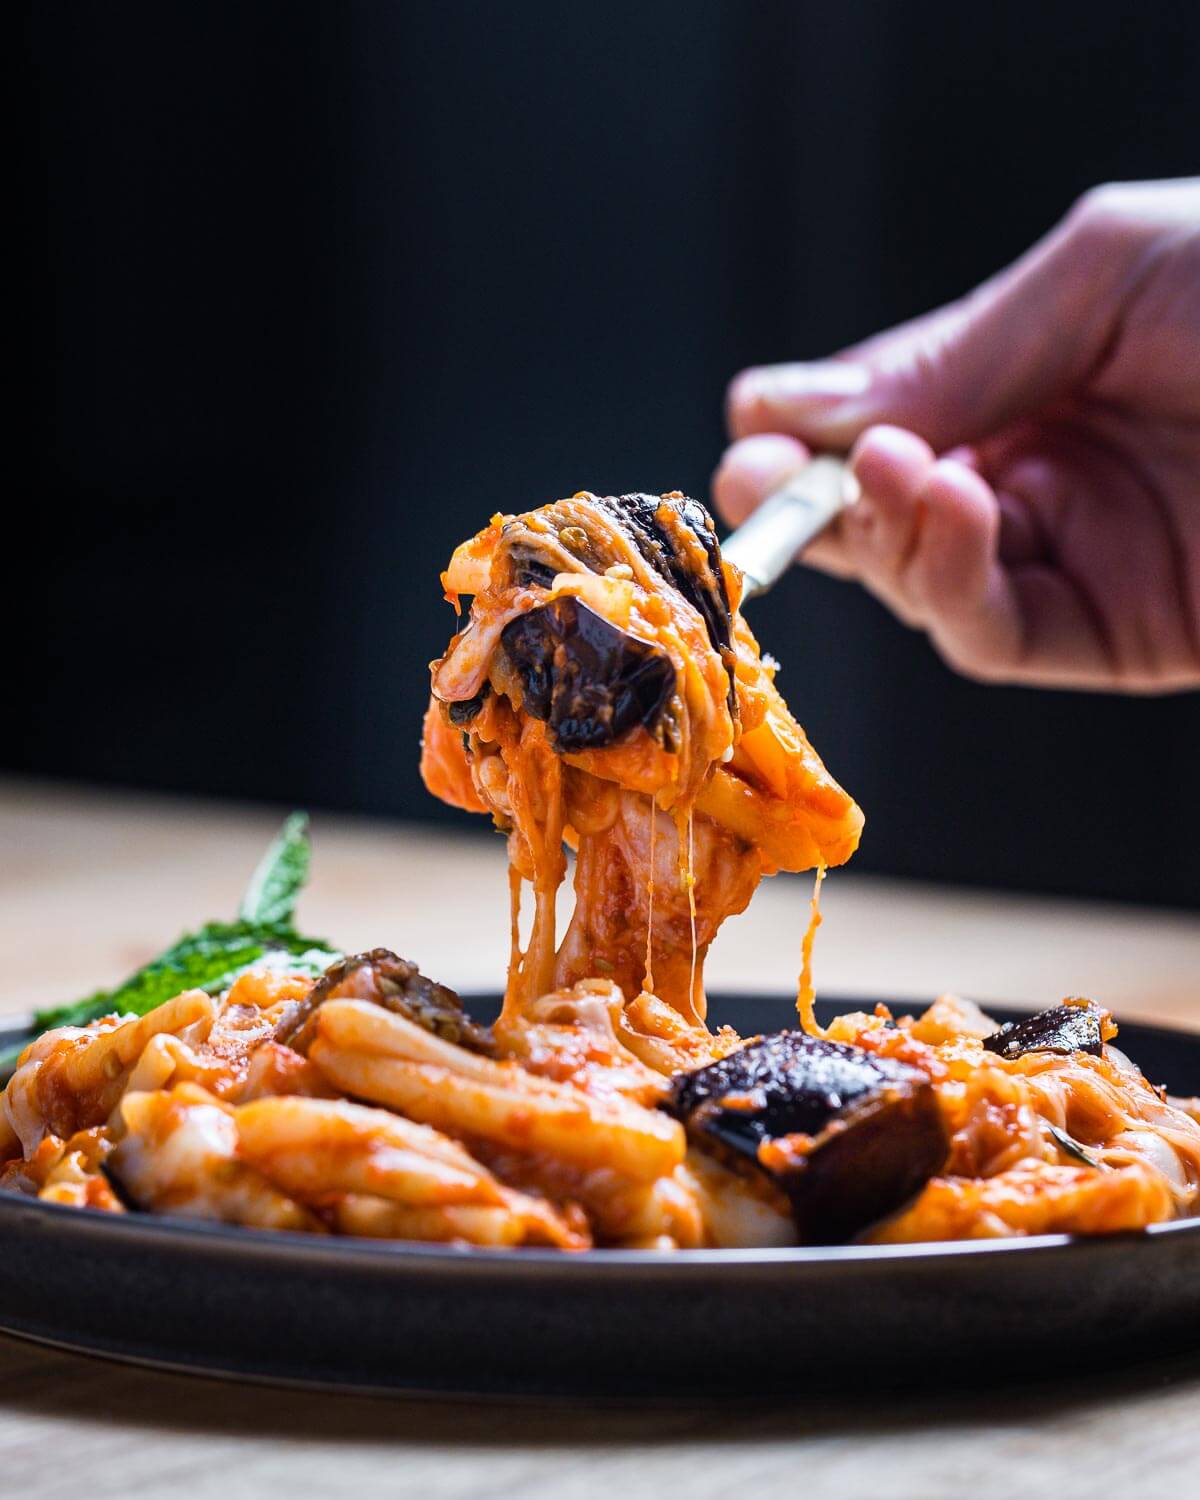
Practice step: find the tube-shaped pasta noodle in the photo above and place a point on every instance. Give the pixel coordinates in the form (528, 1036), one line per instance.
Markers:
(648, 1210)
(379, 1218)
(498, 1102)
(316, 1147)
(10, 1141)
(563, 1123)
(95, 1065)
(1033, 1198)
(363, 1026)
(522, 1221)
(71, 1080)
(180, 1155)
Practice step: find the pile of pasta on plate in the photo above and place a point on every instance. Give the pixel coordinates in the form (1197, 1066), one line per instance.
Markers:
(605, 698)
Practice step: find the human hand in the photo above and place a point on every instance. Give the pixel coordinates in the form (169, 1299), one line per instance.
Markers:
(1029, 456)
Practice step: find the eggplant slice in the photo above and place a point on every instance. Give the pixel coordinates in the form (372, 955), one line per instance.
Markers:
(685, 552)
(1074, 1027)
(397, 985)
(589, 681)
(848, 1137)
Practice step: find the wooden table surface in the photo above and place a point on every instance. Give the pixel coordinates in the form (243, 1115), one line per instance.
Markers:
(92, 882)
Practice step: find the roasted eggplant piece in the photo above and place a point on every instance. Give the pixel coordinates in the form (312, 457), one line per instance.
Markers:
(469, 709)
(380, 975)
(848, 1137)
(1077, 1026)
(673, 533)
(588, 680)
(702, 586)
(529, 567)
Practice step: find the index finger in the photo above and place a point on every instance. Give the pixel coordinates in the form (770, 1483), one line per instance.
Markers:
(751, 469)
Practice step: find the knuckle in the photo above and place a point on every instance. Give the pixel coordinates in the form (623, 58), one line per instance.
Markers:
(975, 657)
(1108, 216)
(968, 663)
(935, 379)
(1098, 201)
(1104, 233)
(1129, 216)
(1104, 202)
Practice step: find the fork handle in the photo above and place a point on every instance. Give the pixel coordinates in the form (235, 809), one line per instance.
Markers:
(765, 545)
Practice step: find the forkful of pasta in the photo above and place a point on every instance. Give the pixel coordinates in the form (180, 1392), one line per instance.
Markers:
(605, 693)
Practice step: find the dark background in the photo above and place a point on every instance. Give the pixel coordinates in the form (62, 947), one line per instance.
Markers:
(310, 290)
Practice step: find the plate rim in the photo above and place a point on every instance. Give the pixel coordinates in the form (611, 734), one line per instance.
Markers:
(178, 1233)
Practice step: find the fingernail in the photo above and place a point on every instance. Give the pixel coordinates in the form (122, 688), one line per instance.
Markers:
(766, 456)
(823, 382)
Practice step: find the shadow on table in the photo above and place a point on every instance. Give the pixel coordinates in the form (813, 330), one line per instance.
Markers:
(50, 1383)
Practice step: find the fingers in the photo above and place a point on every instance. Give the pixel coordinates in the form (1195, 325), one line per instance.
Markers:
(928, 545)
(755, 466)
(879, 534)
(957, 546)
(751, 469)
(924, 538)
(823, 396)
(955, 581)
(948, 554)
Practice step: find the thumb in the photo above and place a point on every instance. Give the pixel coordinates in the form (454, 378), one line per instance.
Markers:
(1021, 340)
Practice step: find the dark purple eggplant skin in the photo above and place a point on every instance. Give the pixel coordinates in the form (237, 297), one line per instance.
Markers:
(467, 710)
(704, 589)
(1062, 1028)
(876, 1132)
(589, 681)
(530, 570)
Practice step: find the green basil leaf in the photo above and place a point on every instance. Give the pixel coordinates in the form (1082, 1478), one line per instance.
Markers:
(275, 886)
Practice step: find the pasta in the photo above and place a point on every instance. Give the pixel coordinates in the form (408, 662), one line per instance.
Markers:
(603, 697)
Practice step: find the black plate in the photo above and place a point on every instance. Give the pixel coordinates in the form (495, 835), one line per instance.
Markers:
(404, 1317)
